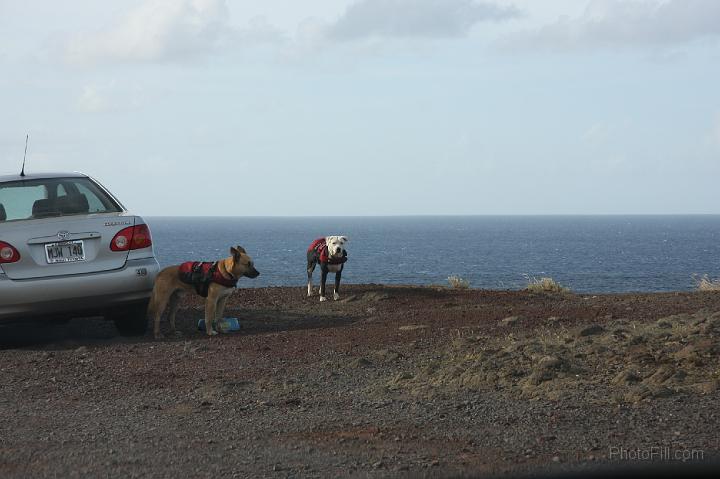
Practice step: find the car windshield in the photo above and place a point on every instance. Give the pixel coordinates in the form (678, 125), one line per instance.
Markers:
(42, 198)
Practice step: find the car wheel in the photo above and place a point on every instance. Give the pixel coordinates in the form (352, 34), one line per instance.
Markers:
(131, 321)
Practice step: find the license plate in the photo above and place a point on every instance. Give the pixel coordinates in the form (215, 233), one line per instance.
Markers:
(65, 252)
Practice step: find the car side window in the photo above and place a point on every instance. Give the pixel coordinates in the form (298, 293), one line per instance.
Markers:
(18, 202)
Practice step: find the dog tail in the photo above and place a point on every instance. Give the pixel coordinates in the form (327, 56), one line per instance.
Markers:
(155, 301)
(152, 306)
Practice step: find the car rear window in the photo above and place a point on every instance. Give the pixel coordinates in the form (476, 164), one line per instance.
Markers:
(30, 199)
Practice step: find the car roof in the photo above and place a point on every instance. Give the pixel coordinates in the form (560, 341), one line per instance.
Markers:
(40, 176)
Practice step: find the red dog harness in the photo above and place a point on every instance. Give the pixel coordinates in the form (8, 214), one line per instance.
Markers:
(201, 274)
(321, 250)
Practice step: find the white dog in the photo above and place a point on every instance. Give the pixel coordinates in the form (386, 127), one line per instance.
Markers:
(330, 252)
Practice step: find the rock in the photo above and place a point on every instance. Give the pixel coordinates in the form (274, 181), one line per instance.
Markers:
(591, 330)
(637, 394)
(698, 321)
(544, 370)
(400, 377)
(706, 346)
(535, 379)
(662, 392)
(82, 350)
(359, 363)
(707, 387)
(712, 325)
(620, 334)
(626, 377)
(375, 296)
(664, 323)
(662, 374)
(688, 353)
(200, 348)
(640, 353)
(511, 320)
(413, 327)
(387, 355)
(547, 363)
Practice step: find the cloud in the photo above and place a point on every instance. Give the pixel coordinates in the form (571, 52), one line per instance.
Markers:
(92, 100)
(110, 97)
(156, 30)
(259, 31)
(610, 23)
(414, 18)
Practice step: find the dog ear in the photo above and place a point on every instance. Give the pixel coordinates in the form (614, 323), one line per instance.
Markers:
(236, 251)
(344, 239)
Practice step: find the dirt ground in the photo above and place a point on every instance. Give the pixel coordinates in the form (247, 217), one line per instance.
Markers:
(387, 382)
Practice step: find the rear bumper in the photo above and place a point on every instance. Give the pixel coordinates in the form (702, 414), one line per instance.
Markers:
(83, 294)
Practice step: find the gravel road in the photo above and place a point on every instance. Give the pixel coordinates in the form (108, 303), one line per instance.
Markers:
(387, 382)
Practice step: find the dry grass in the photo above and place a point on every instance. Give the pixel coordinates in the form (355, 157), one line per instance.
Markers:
(625, 362)
(704, 283)
(545, 285)
(456, 282)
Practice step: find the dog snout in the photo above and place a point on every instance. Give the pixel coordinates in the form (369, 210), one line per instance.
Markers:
(253, 274)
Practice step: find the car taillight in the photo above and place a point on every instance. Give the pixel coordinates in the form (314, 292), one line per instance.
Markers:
(133, 237)
(8, 253)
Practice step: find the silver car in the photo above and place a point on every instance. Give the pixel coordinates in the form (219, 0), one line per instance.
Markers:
(68, 248)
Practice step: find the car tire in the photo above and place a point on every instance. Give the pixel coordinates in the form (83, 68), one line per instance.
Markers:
(132, 320)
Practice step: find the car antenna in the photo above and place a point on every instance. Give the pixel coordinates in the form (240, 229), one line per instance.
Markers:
(22, 172)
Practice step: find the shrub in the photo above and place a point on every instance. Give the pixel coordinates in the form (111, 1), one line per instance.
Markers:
(704, 283)
(456, 282)
(545, 285)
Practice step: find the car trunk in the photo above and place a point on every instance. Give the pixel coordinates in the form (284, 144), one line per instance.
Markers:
(66, 245)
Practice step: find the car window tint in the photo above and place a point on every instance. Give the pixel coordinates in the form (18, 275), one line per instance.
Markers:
(32, 199)
(94, 203)
(18, 202)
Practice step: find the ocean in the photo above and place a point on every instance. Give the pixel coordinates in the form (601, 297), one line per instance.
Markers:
(584, 253)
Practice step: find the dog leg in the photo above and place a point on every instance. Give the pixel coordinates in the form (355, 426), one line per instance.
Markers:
(211, 310)
(221, 307)
(323, 280)
(336, 291)
(172, 309)
(310, 268)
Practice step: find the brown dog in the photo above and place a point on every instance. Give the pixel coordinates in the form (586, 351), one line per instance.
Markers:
(215, 281)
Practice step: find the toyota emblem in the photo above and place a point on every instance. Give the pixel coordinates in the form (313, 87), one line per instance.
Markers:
(63, 235)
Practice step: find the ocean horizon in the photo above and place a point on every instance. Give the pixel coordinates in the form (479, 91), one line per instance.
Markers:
(586, 253)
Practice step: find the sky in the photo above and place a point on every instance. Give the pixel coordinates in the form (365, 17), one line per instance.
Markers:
(369, 107)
